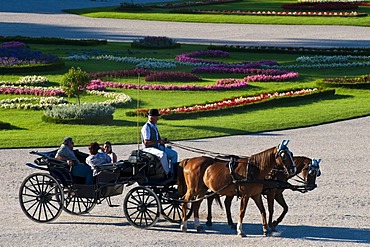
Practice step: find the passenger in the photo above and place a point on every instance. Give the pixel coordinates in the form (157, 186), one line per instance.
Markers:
(65, 153)
(96, 158)
(154, 144)
(107, 148)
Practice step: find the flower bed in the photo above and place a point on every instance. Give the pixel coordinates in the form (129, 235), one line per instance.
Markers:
(42, 103)
(237, 85)
(320, 6)
(233, 103)
(272, 13)
(120, 73)
(298, 50)
(37, 91)
(348, 82)
(28, 80)
(192, 3)
(172, 76)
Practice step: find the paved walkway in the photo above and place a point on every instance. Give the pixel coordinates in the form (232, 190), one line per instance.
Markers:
(37, 18)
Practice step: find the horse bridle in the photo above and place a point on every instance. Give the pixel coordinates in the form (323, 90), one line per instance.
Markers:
(281, 151)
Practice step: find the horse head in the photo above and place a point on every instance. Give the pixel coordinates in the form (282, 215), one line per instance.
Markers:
(311, 173)
(284, 158)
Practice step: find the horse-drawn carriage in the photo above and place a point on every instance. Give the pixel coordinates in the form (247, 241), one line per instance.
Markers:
(44, 195)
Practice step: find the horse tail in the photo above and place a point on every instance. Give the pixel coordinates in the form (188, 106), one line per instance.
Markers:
(218, 200)
(181, 183)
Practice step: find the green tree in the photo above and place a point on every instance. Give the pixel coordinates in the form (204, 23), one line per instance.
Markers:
(74, 82)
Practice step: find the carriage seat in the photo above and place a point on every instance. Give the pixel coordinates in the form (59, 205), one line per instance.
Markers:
(148, 164)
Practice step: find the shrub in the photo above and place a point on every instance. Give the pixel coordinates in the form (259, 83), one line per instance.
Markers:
(74, 82)
(155, 42)
(84, 113)
(132, 7)
(172, 76)
(54, 41)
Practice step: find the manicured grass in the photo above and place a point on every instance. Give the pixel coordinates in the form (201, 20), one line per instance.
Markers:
(156, 14)
(29, 131)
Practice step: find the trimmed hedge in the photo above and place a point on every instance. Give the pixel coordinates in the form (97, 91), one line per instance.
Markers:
(32, 68)
(154, 42)
(360, 82)
(87, 121)
(54, 41)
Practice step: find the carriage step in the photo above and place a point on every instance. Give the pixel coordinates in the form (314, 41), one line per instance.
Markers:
(113, 205)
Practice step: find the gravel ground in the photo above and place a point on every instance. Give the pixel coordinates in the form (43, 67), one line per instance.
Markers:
(334, 214)
(37, 18)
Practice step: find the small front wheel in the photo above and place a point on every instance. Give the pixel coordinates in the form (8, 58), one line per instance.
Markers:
(141, 207)
(41, 197)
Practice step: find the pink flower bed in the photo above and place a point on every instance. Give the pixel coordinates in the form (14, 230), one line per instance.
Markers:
(120, 73)
(172, 76)
(237, 85)
(229, 103)
(192, 56)
(37, 91)
(193, 3)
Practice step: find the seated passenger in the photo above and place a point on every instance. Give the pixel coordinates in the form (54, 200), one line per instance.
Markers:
(107, 148)
(96, 158)
(154, 144)
(65, 153)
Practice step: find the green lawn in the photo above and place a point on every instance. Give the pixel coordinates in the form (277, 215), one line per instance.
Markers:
(29, 130)
(158, 14)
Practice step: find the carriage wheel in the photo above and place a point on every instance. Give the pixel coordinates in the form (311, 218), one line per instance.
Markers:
(171, 207)
(41, 197)
(73, 204)
(141, 207)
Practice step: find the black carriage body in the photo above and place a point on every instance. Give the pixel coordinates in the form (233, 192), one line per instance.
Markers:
(59, 187)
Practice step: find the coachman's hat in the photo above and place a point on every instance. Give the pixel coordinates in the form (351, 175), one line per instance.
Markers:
(154, 113)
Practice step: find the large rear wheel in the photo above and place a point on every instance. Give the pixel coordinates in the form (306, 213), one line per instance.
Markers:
(41, 197)
(141, 207)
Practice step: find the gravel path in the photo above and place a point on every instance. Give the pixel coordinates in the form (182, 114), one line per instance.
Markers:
(335, 214)
(37, 18)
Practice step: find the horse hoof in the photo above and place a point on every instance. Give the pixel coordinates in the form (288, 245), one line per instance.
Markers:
(200, 229)
(233, 226)
(209, 224)
(276, 234)
(266, 233)
(184, 228)
(242, 234)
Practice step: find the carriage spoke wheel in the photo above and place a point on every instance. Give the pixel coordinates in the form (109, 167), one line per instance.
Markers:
(171, 207)
(141, 207)
(41, 197)
(74, 204)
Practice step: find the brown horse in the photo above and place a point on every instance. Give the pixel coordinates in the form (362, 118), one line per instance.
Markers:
(307, 168)
(199, 174)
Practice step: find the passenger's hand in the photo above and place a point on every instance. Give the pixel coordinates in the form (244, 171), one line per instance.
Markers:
(70, 162)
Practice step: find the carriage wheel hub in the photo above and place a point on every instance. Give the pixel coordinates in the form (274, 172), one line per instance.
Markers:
(142, 207)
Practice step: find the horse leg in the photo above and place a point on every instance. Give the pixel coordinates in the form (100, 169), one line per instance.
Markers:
(184, 222)
(209, 206)
(280, 199)
(227, 203)
(196, 206)
(270, 203)
(258, 200)
(243, 206)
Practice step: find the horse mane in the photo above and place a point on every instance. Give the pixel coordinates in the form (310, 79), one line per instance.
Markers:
(263, 159)
(301, 162)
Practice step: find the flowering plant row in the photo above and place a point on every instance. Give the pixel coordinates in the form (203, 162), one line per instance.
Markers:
(28, 80)
(15, 56)
(13, 45)
(228, 86)
(330, 59)
(192, 56)
(172, 76)
(120, 73)
(192, 3)
(358, 79)
(275, 49)
(330, 1)
(28, 103)
(37, 91)
(271, 12)
(230, 103)
(118, 99)
(320, 6)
